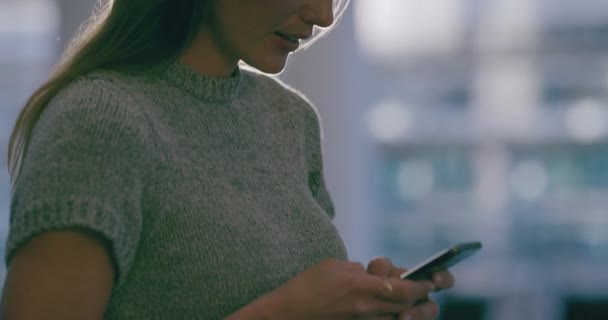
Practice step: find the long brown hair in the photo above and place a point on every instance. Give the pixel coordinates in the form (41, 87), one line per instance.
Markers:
(133, 34)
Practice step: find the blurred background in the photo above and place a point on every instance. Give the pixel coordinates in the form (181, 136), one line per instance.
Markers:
(444, 121)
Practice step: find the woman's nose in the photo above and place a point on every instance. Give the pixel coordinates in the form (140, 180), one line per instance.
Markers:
(319, 12)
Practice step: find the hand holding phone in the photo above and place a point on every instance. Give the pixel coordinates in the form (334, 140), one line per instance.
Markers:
(442, 260)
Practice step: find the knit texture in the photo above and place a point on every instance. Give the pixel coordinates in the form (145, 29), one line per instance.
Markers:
(210, 191)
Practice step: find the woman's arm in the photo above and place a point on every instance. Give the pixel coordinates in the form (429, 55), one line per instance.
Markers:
(263, 308)
(69, 275)
(59, 275)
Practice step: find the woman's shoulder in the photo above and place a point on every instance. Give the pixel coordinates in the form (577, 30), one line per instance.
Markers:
(96, 99)
(96, 90)
(97, 84)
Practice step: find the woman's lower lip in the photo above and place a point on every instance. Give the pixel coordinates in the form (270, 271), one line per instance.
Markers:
(287, 45)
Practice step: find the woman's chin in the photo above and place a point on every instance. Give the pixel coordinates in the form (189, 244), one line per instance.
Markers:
(270, 65)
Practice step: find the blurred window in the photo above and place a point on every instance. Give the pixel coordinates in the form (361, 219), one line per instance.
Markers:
(492, 123)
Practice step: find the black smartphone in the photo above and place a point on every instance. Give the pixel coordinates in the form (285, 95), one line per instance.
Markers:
(442, 260)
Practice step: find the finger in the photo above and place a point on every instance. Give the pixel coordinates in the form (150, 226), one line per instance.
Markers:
(380, 266)
(423, 300)
(385, 317)
(372, 296)
(352, 266)
(375, 309)
(405, 291)
(374, 301)
(397, 272)
(425, 311)
(443, 280)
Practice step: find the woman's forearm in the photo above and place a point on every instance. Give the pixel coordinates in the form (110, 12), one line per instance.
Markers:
(264, 308)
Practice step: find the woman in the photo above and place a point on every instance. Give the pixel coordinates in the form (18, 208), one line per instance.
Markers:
(162, 180)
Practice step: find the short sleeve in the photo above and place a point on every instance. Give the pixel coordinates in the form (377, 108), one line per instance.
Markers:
(316, 179)
(83, 169)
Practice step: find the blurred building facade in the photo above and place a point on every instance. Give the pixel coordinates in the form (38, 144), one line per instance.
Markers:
(476, 120)
(497, 121)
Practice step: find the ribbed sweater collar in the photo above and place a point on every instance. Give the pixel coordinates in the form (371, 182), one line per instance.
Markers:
(208, 89)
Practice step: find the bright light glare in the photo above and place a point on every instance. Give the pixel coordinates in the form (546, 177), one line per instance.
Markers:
(28, 16)
(508, 24)
(586, 121)
(389, 121)
(528, 180)
(507, 92)
(415, 179)
(395, 28)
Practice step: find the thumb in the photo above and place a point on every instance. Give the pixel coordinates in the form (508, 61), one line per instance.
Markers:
(380, 266)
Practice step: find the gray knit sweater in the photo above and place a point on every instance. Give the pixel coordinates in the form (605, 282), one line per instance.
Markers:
(210, 191)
